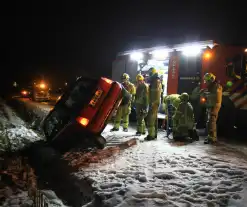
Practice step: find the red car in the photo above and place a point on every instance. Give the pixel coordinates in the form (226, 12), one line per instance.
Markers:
(83, 111)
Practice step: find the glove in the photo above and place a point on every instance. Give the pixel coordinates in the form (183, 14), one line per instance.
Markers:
(143, 111)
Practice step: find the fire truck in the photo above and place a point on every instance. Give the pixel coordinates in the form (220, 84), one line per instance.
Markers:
(183, 67)
(40, 91)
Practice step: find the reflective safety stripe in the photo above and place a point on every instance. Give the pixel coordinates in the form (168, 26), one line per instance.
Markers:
(233, 96)
(241, 101)
(236, 95)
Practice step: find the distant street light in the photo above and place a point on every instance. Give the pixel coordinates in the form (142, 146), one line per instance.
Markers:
(65, 83)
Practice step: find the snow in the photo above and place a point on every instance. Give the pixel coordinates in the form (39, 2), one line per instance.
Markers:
(15, 134)
(161, 173)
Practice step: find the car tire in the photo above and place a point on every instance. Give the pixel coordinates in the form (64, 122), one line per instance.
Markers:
(100, 142)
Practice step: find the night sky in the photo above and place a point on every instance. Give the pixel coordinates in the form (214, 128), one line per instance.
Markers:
(61, 39)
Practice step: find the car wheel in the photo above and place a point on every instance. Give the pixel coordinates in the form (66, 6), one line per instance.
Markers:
(100, 142)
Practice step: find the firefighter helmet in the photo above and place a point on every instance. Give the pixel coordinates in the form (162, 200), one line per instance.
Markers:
(209, 77)
(139, 77)
(184, 97)
(152, 71)
(125, 77)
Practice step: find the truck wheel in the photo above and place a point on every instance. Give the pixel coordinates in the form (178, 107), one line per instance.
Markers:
(226, 118)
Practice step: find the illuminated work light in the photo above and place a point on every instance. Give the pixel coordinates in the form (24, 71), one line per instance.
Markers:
(191, 50)
(137, 56)
(159, 54)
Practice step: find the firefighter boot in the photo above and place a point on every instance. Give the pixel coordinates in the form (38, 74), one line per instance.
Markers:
(206, 140)
(151, 135)
(210, 140)
(149, 138)
(138, 133)
(193, 134)
(125, 129)
(114, 129)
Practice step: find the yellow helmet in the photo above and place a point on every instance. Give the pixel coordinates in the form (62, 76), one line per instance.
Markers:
(139, 77)
(209, 77)
(184, 97)
(152, 71)
(125, 77)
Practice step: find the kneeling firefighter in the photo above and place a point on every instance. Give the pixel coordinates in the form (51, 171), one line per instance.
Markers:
(170, 104)
(124, 109)
(183, 120)
(213, 96)
(155, 89)
(141, 104)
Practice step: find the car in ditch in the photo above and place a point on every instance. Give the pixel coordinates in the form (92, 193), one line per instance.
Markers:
(83, 111)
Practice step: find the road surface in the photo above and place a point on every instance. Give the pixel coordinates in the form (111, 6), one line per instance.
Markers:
(165, 173)
(44, 106)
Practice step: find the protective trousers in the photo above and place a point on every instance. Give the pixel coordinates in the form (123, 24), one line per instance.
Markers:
(211, 122)
(152, 121)
(123, 113)
(140, 116)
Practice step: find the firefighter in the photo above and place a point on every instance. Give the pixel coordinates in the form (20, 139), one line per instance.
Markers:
(170, 104)
(213, 105)
(183, 120)
(124, 109)
(155, 89)
(174, 99)
(199, 111)
(141, 103)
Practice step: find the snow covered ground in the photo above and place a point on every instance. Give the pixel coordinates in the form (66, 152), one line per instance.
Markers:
(14, 135)
(13, 131)
(162, 173)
